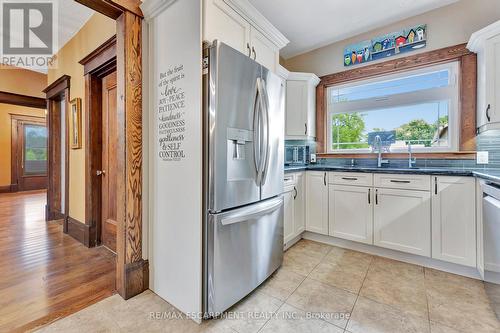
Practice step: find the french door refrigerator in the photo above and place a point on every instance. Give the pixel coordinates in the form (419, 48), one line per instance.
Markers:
(243, 180)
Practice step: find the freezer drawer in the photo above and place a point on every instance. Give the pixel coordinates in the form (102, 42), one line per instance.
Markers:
(243, 247)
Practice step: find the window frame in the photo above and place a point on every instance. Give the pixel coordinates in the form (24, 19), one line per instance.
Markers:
(384, 102)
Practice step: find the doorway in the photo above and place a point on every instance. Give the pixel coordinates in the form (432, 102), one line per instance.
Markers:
(29, 153)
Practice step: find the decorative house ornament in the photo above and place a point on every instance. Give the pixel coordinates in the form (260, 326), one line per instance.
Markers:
(76, 123)
(405, 40)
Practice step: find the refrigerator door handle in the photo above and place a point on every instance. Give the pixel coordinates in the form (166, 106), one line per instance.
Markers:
(247, 213)
(257, 130)
(265, 123)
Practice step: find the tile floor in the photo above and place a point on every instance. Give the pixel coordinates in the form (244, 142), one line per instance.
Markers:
(319, 288)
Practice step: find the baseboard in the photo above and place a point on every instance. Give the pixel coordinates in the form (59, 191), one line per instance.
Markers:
(5, 189)
(396, 255)
(79, 231)
(291, 242)
(136, 278)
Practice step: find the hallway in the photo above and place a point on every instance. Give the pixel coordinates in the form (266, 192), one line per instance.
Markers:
(45, 273)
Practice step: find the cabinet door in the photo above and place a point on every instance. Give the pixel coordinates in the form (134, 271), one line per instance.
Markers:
(223, 23)
(300, 204)
(402, 220)
(288, 219)
(296, 108)
(454, 220)
(350, 213)
(317, 202)
(493, 79)
(263, 50)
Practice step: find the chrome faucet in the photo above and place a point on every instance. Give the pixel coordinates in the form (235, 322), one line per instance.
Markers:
(411, 161)
(378, 145)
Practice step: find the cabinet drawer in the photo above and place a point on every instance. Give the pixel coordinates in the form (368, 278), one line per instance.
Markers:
(350, 178)
(408, 182)
(289, 179)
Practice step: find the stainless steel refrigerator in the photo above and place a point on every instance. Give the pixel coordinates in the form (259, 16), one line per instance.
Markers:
(243, 180)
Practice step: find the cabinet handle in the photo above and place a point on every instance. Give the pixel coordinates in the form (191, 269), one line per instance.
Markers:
(349, 178)
(400, 181)
(488, 112)
(248, 48)
(435, 185)
(295, 195)
(376, 197)
(324, 179)
(369, 196)
(254, 53)
(305, 128)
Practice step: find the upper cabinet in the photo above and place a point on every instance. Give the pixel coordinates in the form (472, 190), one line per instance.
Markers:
(238, 24)
(486, 43)
(300, 122)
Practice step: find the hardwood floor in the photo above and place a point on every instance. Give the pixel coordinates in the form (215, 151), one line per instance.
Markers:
(45, 274)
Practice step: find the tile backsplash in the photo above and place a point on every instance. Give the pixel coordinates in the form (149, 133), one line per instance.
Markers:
(490, 142)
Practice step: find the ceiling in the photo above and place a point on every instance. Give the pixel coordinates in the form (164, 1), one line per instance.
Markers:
(71, 17)
(310, 24)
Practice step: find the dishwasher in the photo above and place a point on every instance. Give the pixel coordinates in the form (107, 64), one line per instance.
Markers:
(491, 243)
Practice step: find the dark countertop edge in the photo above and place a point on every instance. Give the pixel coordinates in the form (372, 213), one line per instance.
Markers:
(483, 174)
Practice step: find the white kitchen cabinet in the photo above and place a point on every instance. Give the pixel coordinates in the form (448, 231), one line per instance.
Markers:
(402, 220)
(351, 213)
(238, 24)
(486, 43)
(288, 218)
(299, 204)
(317, 202)
(300, 112)
(454, 220)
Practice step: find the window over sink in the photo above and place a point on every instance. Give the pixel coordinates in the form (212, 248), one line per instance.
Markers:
(421, 106)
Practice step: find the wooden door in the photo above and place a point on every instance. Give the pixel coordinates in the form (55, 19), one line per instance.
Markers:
(29, 153)
(350, 213)
(109, 162)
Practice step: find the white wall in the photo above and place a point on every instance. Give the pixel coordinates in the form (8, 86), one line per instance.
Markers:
(175, 193)
(447, 26)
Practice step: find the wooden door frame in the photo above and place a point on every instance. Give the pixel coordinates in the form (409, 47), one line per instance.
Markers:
(57, 92)
(96, 65)
(14, 145)
(132, 271)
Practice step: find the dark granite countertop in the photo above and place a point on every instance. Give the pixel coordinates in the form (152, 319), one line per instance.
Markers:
(491, 174)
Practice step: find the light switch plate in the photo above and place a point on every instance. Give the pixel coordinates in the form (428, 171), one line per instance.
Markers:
(313, 158)
(482, 157)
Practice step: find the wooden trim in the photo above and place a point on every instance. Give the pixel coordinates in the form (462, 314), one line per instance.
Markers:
(468, 101)
(114, 8)
(105, 53)
(22, 100)
(57, 87)
(78, 230)
(459, 53)
(129, 162)
(5, 188)
(462, 155)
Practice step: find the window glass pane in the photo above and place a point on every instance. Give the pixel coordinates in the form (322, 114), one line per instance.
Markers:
(35, 150)
(421, 125)
(383, 88)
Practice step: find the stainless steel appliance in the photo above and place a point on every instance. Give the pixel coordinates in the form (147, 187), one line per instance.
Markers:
(296, 155)
(491, 243)
(243, 148)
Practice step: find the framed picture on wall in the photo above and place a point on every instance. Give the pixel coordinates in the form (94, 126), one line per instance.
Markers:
(76, 123)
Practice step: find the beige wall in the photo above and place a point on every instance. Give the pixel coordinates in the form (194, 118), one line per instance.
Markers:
(447, 26)
(96, 31)
(23, 82)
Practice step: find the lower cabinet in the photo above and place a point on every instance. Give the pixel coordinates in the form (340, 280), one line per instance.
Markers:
(402, 220)
(454, 220)
(294, 206)
(351, 213)
(317, 202)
